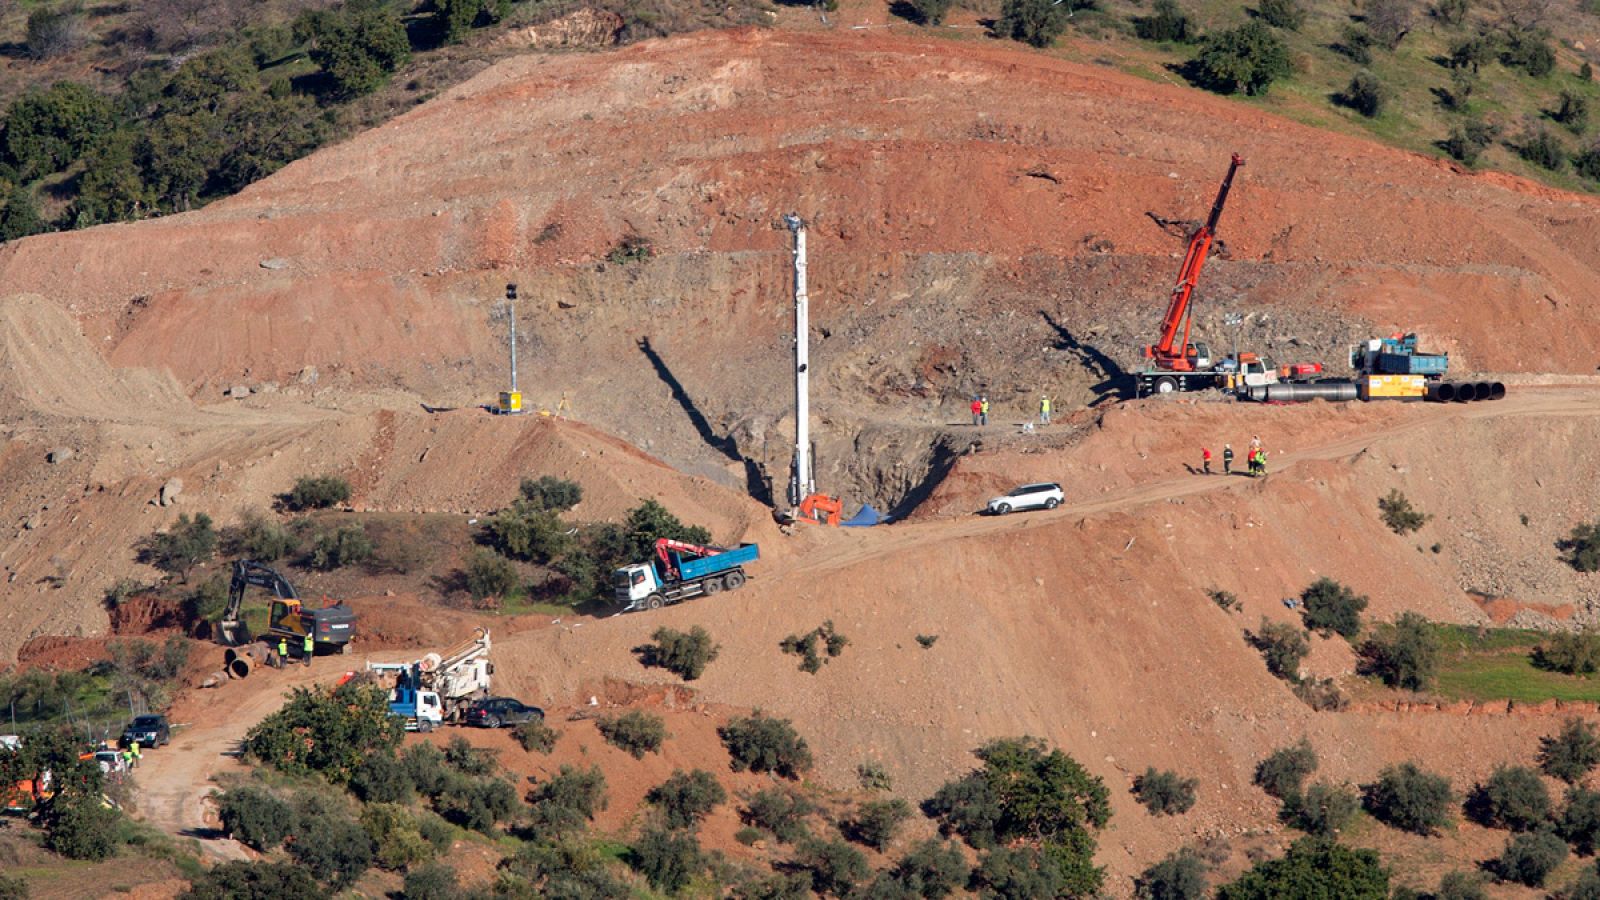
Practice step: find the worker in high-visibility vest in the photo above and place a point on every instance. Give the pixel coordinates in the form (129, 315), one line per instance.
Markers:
(136, 755)
(283, 650)
(308, 648)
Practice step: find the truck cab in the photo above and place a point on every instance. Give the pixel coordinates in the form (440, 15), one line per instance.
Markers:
(634, 584)
(421, 710)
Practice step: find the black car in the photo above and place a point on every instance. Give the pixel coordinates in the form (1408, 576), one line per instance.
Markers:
(149, 731)
(497, 711)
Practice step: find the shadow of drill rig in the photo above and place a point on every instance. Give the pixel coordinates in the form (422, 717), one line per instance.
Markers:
(756, 484)
(1116, 382)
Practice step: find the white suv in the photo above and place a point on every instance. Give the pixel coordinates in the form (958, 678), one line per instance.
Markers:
(1029, 496)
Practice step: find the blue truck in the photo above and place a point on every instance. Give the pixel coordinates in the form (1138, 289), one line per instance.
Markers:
(682, 571)
(1397, 355)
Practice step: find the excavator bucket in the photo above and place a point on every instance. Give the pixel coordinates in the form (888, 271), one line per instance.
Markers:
(232, 633)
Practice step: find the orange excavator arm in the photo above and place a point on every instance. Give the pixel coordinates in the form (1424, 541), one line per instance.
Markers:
(1170, 352)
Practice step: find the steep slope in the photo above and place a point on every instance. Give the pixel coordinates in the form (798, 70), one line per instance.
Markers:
(983, 220)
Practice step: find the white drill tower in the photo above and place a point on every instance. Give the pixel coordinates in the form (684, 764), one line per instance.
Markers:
(801, 482)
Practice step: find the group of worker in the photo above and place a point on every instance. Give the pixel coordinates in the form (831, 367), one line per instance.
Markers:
(307, 650)
(1256, 458)
(130, 755)
(980, 409)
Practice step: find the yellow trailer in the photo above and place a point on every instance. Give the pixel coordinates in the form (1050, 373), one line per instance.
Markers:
(1392, 387)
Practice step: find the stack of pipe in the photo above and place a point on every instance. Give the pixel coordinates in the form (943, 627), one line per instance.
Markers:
(1465, 391)
(238, 661)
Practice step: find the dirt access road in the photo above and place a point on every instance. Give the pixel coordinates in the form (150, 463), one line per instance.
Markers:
(175, 781)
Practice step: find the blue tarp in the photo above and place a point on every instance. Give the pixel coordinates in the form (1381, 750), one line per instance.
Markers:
(867, 516)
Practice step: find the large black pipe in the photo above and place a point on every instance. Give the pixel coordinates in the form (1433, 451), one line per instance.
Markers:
(1300, 393)
(1481, 390)
(1441, 391)
(1497, 390)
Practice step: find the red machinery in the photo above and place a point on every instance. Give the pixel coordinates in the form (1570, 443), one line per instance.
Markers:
(1171, 354)
(821, 509)
(665, 546)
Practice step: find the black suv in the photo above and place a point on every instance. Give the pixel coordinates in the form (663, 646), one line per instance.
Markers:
(497, 711)
(149, 731)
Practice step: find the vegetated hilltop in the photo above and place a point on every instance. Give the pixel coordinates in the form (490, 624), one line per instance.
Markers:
(984, 217)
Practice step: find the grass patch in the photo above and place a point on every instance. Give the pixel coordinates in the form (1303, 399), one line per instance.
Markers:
(1497, 664)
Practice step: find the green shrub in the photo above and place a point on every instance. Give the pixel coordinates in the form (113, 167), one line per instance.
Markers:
(1542, 148)
(548, 492)
(873, 776)
(316, 492)
(1580, 819)
(396, 836)
(1283, 646)
(78, 826)
(1286, 14)
(1025, 793)
(635, 731)
(1355, 43)
(1581, 549)
(1180, 876)
(809, 646)
(685, 655)
(1396, 509)
(346, 545)
(1313, 867)
(1282, 773)
(1570, 753)
(1587, 161)
(1467, 140)
(1529, 52)
(779, 810)
(1365, 95)
(1450, 12)
(1573, 112)
(478, 804)
(1245, 59)
(358, 46)
(1018, 872)
(931, 12)
(1389, 21)
(876, 822)
(1410, 799)
(668, 859)
(13, 888)
(1226, 600)
(765, 744)
(1034, 22)
(1460, 886)
(433, 881)
(55, 30)
(1330, 607)
(1572, 653)
(459, 754)
(836, 867)
(382, 778)
(1528, 858)
(1165, 793)
(525, 530)
(1473, 52)
(252, 881)
(933, 869)
(326, 732)
(255, 818)
(1168, 22)
(335, 850)
(1323, 810)
(488, 574)
(1513, 797)
(567, 801)
(631, 249)
(686, 798)
(1405, 654)
(176, 551)
(259, 537)
(536, 736)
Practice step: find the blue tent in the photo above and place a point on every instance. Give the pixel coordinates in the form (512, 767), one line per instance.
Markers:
(867, 516)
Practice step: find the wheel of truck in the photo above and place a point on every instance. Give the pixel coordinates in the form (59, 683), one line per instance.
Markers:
(733, 581)
(1052, 503)
(655, 601)
(711, 586)
(425, 725)
(1166, 384)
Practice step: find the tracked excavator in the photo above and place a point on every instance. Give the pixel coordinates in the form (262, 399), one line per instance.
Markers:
(330, 626)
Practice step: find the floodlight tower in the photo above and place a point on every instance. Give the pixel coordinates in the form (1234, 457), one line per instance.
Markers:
(511, 401)
(801, 482)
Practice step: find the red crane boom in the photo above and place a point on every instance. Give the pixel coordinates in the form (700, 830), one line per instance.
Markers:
(665, 546)
(1170, 353)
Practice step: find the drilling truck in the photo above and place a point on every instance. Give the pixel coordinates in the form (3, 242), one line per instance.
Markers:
(439, 687)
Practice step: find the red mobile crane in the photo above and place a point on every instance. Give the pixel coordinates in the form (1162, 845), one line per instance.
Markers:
(1177, 365)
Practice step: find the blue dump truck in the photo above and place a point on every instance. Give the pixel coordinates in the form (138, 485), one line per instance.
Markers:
(1398, 355)
(681, 571)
